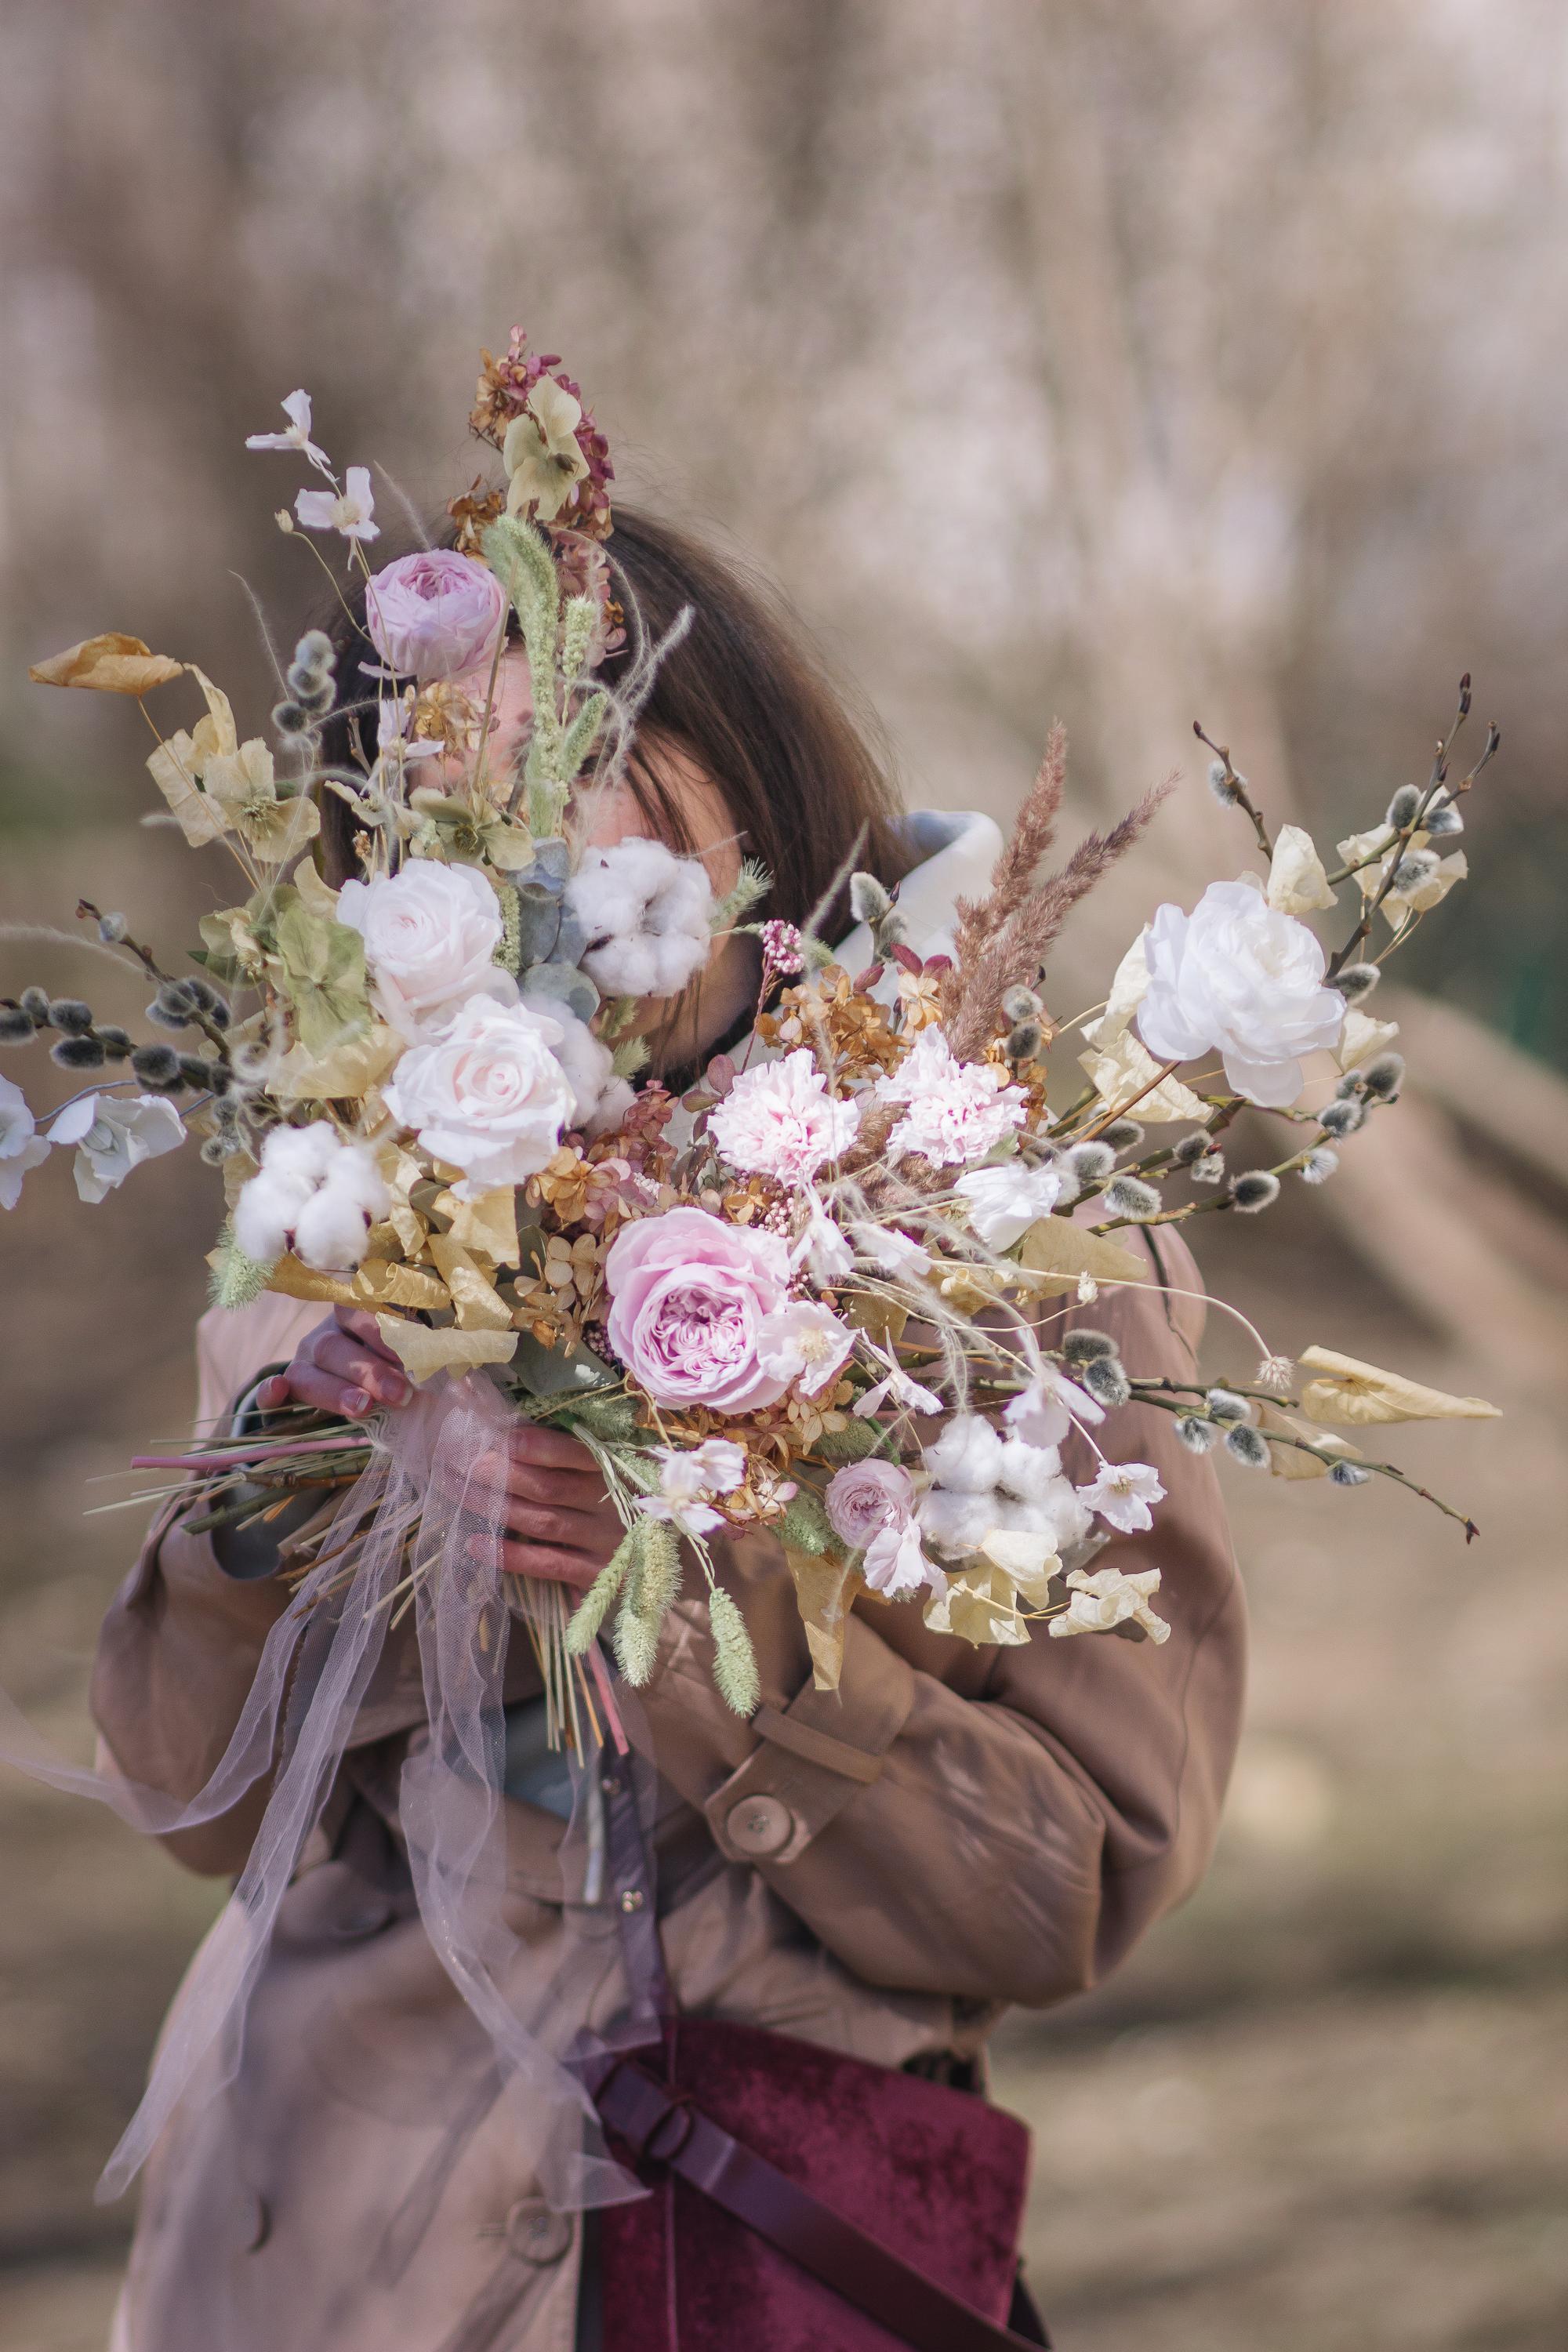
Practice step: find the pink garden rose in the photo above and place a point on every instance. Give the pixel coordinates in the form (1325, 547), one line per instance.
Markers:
(867, 1497)
(434, 614)
(691, 1303)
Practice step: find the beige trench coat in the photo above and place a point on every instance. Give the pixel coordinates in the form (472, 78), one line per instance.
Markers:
(883, 1870)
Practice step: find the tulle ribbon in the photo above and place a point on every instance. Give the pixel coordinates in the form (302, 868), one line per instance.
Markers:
(426, 1509)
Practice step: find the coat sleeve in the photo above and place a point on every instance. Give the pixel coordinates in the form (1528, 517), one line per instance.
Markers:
(1006, 1830)
(180, 1645)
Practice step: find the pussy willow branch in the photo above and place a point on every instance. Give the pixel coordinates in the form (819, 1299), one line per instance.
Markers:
(1237, 790)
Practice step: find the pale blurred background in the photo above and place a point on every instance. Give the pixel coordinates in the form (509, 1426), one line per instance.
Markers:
(1129, 362)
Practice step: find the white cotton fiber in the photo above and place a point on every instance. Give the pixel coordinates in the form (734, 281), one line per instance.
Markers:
(967, 1456)
(645, 914)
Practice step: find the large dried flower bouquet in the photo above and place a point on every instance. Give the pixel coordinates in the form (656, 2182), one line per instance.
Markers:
(815, 1295)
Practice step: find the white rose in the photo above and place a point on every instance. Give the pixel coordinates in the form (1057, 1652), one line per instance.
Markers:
(1238, 979)
(111, 1138)
(430, 935)
(487, 1095)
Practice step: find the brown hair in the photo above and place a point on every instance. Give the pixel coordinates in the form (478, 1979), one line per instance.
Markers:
(744, 694)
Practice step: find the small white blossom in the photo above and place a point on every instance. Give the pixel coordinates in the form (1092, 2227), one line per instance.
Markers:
(1005, 1200)
(905, 1391)
(895, 1563)
(894, 1252)
(21, 1145)
(1123, 1493)
(297, 409)
(820, 1248)
(1043, 1413)
(803, 1345)
(1110, 1598)
(688, 1477)
(350, 511)
(111, 1138)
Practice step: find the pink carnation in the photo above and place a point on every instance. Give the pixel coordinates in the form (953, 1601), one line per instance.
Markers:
(957, 1111)
(779, 1120)
(691, 1298)
(434, 614)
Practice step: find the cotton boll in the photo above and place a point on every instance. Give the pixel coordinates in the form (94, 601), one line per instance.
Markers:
(303, 1152)
(644, 913)
(330, 1231)
(958, 1522)
(613, 1106)
(1028, 1471)
(1054, 1510)
(586, 1061)
(263, 1214)
(967, 1456)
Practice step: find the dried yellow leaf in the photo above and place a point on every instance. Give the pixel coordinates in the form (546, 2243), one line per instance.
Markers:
(1064, 1251)
(479, 1304)
(488, 1226)
(1289, 1461)
(110, 664)
(1362, 1395)
(387, 1282)
(825, 1592)
(296, 1281)
(424, 1354)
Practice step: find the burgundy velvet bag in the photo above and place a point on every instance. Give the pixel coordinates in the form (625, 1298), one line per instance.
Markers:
(935, 2175)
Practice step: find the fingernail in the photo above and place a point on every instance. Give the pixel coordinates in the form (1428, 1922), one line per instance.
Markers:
(394, 1390)
(355, 1402)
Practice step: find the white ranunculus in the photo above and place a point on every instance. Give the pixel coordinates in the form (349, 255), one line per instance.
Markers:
(1238, 979)
(486, 1094)
(1005, 1200)
(111, 1138)
(430, 935)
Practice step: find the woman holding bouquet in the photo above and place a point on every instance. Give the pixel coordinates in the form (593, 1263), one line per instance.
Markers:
(880, 1870)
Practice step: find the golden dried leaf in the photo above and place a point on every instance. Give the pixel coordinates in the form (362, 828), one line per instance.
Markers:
(825, 1592)
(1363, 1396)
(488, 1226)
(479, 1306)
(980, 1606)
(296, 1281)
(110, 664)
(346, 1070)
(1123, 1068)
(1289, 1461)
(424, 1354)
(1063, 1251)
(1297, 882)
(387, 1282)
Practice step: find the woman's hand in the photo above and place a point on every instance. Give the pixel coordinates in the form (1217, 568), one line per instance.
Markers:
(343, 1365)
(560, 1522)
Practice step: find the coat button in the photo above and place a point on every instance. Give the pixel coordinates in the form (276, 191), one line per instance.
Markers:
(759, 1825)
(536, 2234)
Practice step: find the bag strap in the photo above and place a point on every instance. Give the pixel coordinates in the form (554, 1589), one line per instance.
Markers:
(662, 2127)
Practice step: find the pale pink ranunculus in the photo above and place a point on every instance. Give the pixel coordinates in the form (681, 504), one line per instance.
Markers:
(864, 1497)
(430, 935)
(779, 1120)
(690, 1298)
(435, 613)
(486, 1094)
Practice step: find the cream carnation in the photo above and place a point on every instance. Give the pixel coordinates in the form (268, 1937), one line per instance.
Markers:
(779, 1120)
(1238, 979)
(430, 935)
(486, 1094)
(956, 1111)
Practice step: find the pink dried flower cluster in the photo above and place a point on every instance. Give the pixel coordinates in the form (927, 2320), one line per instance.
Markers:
(503, 390)
(781, 950)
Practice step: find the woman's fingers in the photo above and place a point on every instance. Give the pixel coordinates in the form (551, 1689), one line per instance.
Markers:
(549, 1449)
(376, 1378)
(551, 1561)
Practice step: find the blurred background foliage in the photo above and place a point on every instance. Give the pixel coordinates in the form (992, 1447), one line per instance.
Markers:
(1114, 361)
